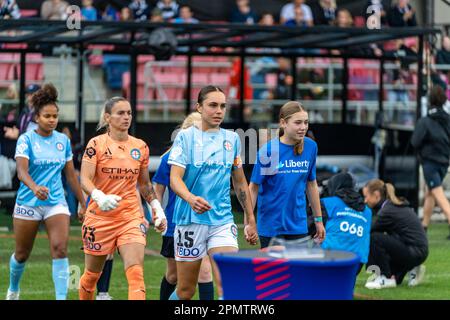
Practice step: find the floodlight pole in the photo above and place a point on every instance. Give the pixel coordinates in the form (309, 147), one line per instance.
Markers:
(79, 123)
(189, 82)
(294, 78)
(242, 86)
(420, 89)
(344, 94)
(133, 89)
(22, 79)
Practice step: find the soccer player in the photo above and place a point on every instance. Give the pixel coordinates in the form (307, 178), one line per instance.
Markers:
(348, 218)
(113, 165)
(41, 155)
(203, 160)
(285, 169)
(161, 179)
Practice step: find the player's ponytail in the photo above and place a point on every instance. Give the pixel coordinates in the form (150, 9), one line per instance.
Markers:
(286, 111)
(386, 190)
(107, 109)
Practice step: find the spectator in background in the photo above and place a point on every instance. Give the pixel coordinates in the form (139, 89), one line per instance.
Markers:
(267, 19)
(299, 19)
(126, 14)
(369, 10)
(107, 12)
(9, 9)
(140, 9)
(54, 10)
(443, 55)
(25, 121)
(9, 110)
(169, 9)
(344, 19)
(88, 12)
(243, 13)
(288, 12)
(324, 12)
(402, 14)
(156, 15)
(186, 16)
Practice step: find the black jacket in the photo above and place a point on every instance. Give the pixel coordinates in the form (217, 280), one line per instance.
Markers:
(402, 223)
(431, 137)
(395, 18)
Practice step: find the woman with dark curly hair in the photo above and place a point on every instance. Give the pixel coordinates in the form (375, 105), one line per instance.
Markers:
(41, 155)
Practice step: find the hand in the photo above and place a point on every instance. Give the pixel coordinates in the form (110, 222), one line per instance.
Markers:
(251, 235)
(320, 232)
(105, 202)
(81, 213)
(199, 205)
(159, 217)
(41, 192)
(11, 133)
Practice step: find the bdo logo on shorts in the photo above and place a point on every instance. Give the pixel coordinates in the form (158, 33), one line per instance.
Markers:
(185, 252)
(234, 231)
(135, 154)
(60, 146)
(24, 212)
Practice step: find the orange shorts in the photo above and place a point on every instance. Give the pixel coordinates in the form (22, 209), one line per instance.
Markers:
(102, 237)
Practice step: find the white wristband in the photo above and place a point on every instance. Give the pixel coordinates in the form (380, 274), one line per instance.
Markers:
(155, 204)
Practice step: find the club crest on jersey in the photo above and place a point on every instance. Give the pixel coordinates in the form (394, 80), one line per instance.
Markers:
(227, 145)
(135, 154)
(59, 146)
(90, 152)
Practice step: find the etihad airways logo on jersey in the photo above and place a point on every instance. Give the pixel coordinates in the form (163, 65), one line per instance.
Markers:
(120, 173)
(49, 162)
(213, 163)
(120, 170)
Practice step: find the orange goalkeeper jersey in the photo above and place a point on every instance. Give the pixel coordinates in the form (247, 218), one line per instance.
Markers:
(118, 165)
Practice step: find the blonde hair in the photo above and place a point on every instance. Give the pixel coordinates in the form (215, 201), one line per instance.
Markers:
(191, 119)
(386, 190)
(107, 108)
(286, 111)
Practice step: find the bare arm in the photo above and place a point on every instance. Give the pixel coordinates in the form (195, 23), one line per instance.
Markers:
(243, 194)
(312, 192)
(145, 187)
(87, 177)
(254, 188)
(159, 191)
(22, 163)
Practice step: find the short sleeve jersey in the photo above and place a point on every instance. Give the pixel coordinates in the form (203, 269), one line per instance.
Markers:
(282, 177)
(208, 159)
(118, 165)
(47, 158)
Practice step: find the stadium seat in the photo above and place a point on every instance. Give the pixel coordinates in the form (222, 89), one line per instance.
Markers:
(6, 69)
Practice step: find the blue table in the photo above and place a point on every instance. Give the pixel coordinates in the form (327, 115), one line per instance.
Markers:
(254, 275)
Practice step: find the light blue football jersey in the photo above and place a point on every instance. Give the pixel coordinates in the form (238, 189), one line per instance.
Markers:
(47, 157)
(208, 158)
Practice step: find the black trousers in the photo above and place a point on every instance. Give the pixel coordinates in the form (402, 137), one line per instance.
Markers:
(392, 256)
